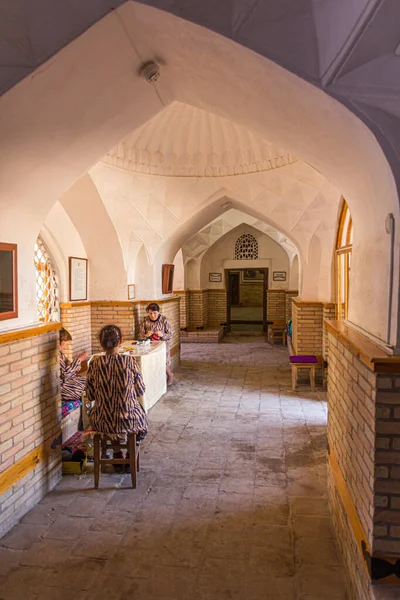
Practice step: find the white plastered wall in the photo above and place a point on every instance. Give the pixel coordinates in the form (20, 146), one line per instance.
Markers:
(53, 132)
(222, 253)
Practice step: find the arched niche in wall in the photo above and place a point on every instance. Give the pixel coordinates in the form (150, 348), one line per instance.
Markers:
(107, 270)
(294, 274)
(144, 276)
(62, 240)
(222, 255)
(179, 272)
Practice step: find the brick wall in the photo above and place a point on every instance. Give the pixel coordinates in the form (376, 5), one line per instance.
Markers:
(351, 426)
(184, 307)
(357, 581)
(387, 466)
(251, 294)
(30, 417)
(328, 314)
(276, 305)
(216, 307)
(76, 318)
(115, 313)
(364, 438)
(198, 308)
(307, 322)
(289, 295)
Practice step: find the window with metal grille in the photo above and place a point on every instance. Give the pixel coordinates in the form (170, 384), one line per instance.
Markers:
(46, 284)
(246, 247)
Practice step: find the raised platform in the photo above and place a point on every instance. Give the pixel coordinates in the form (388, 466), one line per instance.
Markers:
(208, 335)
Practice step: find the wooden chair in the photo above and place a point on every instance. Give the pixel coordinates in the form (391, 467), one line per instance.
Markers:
(102, 443)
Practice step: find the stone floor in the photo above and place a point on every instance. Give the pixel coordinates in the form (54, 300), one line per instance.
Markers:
(231, 501)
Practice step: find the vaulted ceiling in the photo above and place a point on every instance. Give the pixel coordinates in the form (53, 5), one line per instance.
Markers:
(349, 48)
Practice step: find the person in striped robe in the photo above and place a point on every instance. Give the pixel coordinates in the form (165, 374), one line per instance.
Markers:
(157, 327)
(72, 385)
(114, 382)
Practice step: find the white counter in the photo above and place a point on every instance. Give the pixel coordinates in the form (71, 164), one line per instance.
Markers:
(152, 362)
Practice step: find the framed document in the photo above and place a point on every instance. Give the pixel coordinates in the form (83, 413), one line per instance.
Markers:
(8, 282)
(77, 278)
(131, 291)
(279, 276)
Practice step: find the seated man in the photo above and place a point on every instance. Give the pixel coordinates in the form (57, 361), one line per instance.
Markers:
(72, 385)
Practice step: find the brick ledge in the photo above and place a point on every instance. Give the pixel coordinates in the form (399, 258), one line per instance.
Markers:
(22, 334)
(369, 353)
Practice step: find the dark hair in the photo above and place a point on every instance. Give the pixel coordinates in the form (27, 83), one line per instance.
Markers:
(65, 335)
(153, 306)
(110, 336)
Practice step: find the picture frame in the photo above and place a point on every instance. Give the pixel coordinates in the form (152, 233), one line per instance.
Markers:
(131, 291)
(167, 281)
(215, 277)
(78, 278)
(251, 276)
(8, 281)
(279, 276)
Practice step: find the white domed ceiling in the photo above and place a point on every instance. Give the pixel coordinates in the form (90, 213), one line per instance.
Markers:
(185, 141)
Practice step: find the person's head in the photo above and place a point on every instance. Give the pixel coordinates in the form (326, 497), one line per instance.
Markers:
(110, 337)
(153, 310)
(65, 338)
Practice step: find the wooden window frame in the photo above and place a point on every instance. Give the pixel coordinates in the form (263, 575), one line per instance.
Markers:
(167, 280)
(343, 252)
(12, 314)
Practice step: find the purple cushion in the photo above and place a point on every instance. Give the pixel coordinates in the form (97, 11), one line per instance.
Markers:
(303, 359)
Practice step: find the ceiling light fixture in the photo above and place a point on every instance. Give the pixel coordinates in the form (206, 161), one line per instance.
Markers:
(226, 205)
(150, 71)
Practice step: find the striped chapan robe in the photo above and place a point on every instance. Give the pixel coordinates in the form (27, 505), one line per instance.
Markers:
(160, 325)
(113, 383)
(72, 385)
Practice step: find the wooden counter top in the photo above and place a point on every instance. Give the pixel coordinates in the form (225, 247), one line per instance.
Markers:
(372, 355)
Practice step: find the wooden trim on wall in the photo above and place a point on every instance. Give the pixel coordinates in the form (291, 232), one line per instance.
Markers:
(75, 304)
(369, 353)
(21, 468)
(348, 505)
(12, 314)
(301, 302)
(160, 301)
(78, 304)
(22, 334)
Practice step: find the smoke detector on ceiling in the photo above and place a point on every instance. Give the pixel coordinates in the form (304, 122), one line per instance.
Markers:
(150, 71)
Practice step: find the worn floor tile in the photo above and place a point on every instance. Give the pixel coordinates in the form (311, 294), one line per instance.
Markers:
(231, 500)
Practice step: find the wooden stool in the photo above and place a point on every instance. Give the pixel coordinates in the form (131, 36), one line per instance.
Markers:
(277, 332)
(311, 366)
(104, 442)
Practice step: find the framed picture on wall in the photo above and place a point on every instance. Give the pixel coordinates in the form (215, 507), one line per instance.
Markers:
(251, 275)
(215, 277)
(167, 279)
(8, 282)
(131, 291)
(279, 276)
(78, 278)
